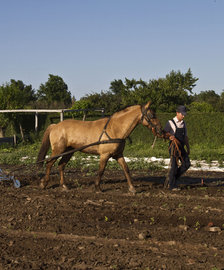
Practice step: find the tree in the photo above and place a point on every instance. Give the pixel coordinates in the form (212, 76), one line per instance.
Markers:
(209, 97)
(221, 102)
(173, 90)
(165, 93)
(200, 107)
(54, 93)
(15, 95)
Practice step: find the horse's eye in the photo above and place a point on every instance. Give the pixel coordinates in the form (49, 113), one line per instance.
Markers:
(151, 115)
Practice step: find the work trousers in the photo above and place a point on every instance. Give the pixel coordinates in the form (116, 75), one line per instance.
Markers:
(176, 171)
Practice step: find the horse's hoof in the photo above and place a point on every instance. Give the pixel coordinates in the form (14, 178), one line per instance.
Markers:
(42, 185)
(64, 187)
(98, 190)
(132, 190)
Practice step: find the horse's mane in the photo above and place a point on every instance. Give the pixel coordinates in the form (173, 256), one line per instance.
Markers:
(124, 110)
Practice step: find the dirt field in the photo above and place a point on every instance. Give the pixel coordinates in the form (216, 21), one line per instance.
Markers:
(81, 229)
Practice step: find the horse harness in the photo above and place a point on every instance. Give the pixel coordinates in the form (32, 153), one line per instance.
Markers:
(105, 131)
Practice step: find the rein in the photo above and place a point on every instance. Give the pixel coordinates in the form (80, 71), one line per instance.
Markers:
(81, 148)
(175, 149)
(69, 152)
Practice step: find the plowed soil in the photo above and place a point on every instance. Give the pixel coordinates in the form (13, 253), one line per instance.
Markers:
(81, 229)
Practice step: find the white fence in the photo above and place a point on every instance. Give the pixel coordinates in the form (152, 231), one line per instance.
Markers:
(60, 111)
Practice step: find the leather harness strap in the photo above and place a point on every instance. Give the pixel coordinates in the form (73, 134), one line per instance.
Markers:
(104, 130)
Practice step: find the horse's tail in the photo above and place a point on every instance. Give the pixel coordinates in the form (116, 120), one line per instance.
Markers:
(44, 146)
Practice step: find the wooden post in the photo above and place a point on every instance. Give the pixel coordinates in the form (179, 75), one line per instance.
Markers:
(14, 139)
(102, 113)
(84, 116)
(61, 116)
(36, 121)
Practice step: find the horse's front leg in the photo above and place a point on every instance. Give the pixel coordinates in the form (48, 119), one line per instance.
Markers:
(121, 161)
(103, 163)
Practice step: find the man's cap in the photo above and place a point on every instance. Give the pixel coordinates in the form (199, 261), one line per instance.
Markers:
(182, 109)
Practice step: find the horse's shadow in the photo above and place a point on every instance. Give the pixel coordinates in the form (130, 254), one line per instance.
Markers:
(144, 183)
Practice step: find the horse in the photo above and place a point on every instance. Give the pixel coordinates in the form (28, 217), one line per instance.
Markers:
(104, 137)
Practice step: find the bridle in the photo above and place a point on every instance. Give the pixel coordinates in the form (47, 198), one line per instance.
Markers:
(148, 116)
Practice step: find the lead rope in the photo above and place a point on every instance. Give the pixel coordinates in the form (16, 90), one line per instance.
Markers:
(154, 142)
(175, 149)
(175, 152)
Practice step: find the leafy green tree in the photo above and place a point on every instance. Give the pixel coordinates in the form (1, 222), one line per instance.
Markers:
(16, 95)
(86, 103)
(165, 93)
(54, 93)
(96, 101)
(221, 102)
(172, 90)
(200, 107)
(209, 97)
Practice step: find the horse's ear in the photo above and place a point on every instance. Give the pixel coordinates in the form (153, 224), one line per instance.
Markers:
(147, 105)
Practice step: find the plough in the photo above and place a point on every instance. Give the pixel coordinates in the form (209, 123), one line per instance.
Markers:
(9, 178)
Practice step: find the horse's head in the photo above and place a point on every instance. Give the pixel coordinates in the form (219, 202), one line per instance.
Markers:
(149, 120)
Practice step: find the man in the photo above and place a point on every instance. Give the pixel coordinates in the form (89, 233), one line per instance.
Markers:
(177, 129)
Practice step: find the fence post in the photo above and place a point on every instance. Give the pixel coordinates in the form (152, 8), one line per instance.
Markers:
(84, 116)
(36, 121)
(14, 139)
(61, 116)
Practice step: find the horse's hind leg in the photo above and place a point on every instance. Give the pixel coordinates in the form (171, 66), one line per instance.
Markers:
(123, 164)
(45, 179)
(103, 163)
(64, 160)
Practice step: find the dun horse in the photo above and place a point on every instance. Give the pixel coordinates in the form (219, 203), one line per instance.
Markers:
(75, 134)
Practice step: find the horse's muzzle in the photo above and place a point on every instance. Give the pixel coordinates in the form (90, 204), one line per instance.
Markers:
(161, 133)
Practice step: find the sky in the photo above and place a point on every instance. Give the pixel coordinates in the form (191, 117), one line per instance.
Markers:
(90, 43)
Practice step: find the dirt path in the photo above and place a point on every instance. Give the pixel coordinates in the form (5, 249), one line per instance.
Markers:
(81, 229)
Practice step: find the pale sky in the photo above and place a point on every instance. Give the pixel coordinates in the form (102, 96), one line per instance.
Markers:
(90, 43)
